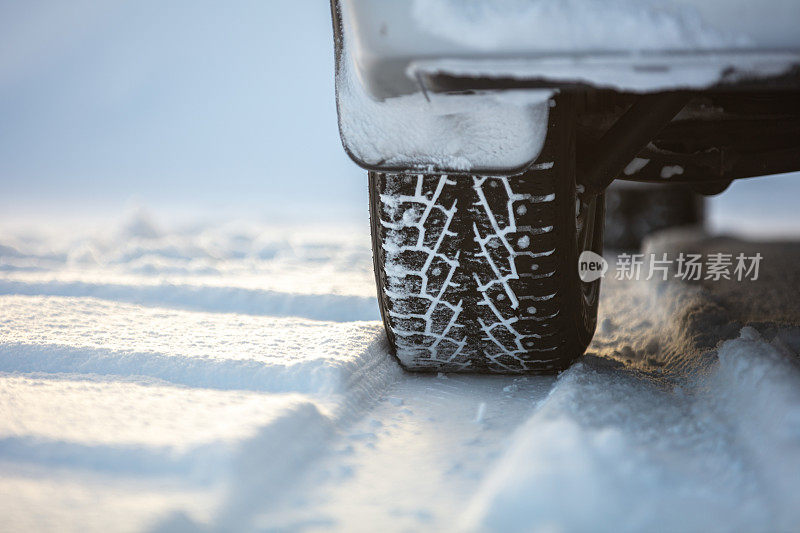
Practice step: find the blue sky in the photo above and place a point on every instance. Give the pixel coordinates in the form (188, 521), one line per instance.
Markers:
(202, 106)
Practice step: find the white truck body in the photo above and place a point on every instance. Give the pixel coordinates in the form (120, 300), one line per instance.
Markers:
(392, 118)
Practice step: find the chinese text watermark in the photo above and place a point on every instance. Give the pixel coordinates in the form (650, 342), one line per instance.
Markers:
(664, 266)
(688, 267)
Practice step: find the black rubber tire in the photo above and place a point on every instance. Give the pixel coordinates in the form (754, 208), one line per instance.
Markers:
(634, 211)
(479, 274)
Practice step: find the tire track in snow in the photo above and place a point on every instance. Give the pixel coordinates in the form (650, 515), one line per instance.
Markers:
(657, 426)
(332, 370)
(141, 320)
(678, 418)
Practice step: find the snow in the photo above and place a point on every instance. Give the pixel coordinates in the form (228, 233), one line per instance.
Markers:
(213, 350)
(129, 391)
(650, 461)
(636, 164)
(230, 267)
(671, 170)
(443, 132)
(423, 130)
(177, 413)
(167, 376)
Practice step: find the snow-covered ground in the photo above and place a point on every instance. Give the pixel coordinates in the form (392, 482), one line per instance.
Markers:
(157, 374)
(235, 377)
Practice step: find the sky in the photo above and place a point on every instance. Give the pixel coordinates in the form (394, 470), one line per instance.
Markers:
(201, 107)
(196, 104)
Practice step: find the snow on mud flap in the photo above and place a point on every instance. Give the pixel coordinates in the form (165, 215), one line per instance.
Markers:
(480, 273)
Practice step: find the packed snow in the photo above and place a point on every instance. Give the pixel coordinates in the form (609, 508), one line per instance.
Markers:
(441, 132)
(163, 409)
(422, 130)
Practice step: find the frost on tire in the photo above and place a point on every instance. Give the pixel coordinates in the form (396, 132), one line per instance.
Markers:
(423, 284)
(479, 273)
(514, 235)
(468, 270)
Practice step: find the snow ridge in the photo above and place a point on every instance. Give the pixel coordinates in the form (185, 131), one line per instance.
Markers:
(198, 297)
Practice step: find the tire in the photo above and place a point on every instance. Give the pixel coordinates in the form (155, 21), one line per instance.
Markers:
(635, 210)
(479, 274)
